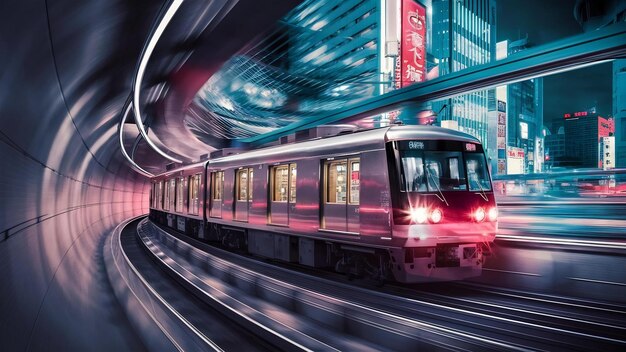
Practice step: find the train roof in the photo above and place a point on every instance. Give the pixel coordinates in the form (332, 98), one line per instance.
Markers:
(372, 139)
(395, 133)
(344, 144)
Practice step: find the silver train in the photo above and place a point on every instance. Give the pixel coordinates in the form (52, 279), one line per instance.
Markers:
(410, 203)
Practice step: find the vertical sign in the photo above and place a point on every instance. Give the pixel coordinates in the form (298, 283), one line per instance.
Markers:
(501, 137)
(412, 44)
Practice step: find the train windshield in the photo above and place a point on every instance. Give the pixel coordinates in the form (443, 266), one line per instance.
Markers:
(434, 171)
(477, 173)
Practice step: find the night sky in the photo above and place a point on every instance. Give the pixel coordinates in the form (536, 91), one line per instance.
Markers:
(546, 21)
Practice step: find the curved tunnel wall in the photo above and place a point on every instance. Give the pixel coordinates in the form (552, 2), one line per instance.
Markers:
(63, 184)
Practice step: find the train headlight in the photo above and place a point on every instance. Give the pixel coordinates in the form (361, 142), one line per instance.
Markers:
(436, 216)
(419, 215)
(479, 214)
(493, 214)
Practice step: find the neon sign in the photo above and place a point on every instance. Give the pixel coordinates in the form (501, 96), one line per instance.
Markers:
(576, 114)
(413, 43)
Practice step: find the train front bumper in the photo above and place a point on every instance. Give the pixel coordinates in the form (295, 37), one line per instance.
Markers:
(441, 252)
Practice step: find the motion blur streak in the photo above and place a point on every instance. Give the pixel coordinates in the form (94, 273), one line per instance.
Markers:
(64, 181)
(132, 162)
(143, 63)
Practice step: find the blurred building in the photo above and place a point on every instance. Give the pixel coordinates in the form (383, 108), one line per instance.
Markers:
(464, 35)
(583, 134)
(595, 14)
(525, 115)
(521, 106)
(619, 111)
(336, 43)
(555, 155)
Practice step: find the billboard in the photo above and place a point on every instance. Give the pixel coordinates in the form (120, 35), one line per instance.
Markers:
(514, 161)
(412, 63)
(606, 153)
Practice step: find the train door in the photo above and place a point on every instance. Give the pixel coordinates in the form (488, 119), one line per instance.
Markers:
(282, 193)
(243, 193)
(354, 187)
(341, 195)
(217, 192)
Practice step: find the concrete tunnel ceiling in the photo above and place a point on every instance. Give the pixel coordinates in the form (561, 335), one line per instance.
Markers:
(67, 73)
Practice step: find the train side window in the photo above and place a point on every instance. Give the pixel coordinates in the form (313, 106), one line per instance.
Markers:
(155, 195)
(172, 190)
(166, 196)
(152, 190)
(242, 185)
(160, 196)
(280, 183)
(217, 185)
(194, 190)
(293, 170)
(250, 178)
(355, 181)
(336, 185)
(180, 184)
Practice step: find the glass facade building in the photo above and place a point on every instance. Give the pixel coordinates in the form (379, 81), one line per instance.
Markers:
(619, 111)
(463, 35)
(525, 115)
(335, 44)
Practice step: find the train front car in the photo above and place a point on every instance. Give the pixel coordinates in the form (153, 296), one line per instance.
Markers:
(443, 204)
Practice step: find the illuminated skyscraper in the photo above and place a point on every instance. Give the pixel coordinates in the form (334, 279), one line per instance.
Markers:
(464, 35)
(525, 115)
(619, 110)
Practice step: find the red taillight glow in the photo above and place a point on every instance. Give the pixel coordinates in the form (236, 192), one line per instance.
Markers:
(493, 214)
(479, 214)
(436, 216)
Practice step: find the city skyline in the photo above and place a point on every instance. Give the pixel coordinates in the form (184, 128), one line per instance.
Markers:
(544, 22)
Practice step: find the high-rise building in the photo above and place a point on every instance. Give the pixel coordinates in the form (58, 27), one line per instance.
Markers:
(555, 155)
(583, 134)
(523, 111)
(619, 110)
(463, 35)
(525, 114)
(336, 47)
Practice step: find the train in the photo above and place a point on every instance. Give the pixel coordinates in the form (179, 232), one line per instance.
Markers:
(405, 203)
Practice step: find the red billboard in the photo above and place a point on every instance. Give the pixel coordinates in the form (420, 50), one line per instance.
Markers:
(606, 127)
(412, 43)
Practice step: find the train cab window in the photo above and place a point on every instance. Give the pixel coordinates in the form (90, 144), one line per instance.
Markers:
(284, 183)
(432, 171)
(477, 173)
(217, 185)
(194, 194)
(336, 190)
(355, 181)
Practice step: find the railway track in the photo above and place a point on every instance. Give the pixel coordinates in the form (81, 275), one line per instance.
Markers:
(447, 316)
